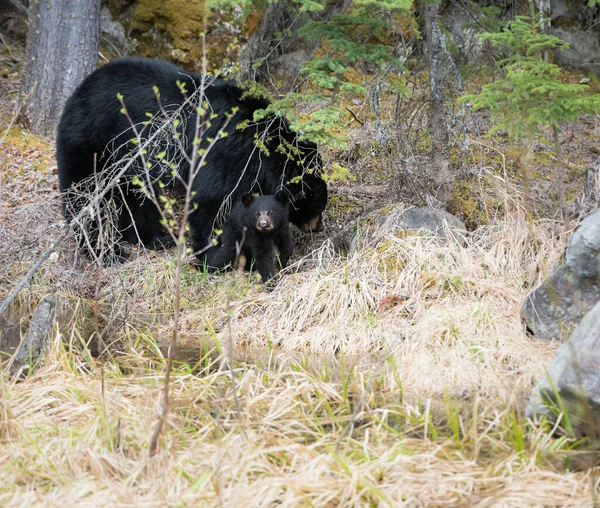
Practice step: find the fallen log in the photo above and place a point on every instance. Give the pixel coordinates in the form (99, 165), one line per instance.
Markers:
(33, 347)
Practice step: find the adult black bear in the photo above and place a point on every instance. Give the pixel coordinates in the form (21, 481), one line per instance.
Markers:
(257, 225)
(96, 141)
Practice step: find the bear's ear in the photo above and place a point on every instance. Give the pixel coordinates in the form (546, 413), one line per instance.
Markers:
(247, 199)
(282, 197)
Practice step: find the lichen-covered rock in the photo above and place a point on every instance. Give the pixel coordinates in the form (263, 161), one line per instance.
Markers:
(174, 30)
(555, 308)
(575, 375)
(368, 230)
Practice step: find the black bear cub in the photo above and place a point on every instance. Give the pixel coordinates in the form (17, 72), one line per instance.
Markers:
(257, 224)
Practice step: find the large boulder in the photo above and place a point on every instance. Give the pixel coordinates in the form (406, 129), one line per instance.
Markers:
(574, 375)
(556, 307)
(371, 228)
(583, 251)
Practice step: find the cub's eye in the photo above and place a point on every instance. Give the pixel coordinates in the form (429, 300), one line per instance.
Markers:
(256, 215)
(270, 212)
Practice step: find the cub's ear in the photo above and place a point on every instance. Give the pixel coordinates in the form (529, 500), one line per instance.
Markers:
(247, 199)
(282, 197)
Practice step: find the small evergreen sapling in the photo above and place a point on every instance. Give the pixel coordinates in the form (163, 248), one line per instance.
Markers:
(531, 95)
(360, 36)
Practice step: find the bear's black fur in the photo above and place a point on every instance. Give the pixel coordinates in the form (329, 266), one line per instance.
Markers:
(95, 132)
(256, 226)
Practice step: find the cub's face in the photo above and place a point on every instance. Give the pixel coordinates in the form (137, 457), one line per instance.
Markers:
(266, 213)
(263, 221)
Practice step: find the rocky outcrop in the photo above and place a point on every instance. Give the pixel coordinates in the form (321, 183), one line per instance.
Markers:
(583, 48)
(572, 383)
(555, 308)
(368, 230)
(114, 32)
(579, 27)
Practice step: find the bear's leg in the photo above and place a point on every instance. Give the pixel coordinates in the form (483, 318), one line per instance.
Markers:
(264, 263)
(285, 245)
(96, 231)
(96, 228)
(75, 170)
(140, 222)
(220, 256)
(201, 222)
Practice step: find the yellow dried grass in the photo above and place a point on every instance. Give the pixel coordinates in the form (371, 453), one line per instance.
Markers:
(426, 412)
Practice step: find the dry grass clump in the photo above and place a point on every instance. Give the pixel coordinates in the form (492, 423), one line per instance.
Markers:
(77, 432)
(439, 308)
(421, 404)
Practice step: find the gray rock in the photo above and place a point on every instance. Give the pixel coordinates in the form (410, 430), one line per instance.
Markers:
(583, 251)
(112, 28)
(266, 52)
(463, 32)
(583, 47)
(368, 230)
(558, 9)
(555, 308)
(114, 32)
(574, 375)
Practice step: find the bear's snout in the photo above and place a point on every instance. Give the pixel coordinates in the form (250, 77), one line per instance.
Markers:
(264, 224)
(315, 225)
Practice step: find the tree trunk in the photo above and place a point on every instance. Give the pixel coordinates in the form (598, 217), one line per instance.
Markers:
(437, 109)
(62, 49)
(544, 11)
(559, 179)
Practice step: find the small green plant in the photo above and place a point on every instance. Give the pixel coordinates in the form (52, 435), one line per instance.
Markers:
(532, 95)
(359, 37)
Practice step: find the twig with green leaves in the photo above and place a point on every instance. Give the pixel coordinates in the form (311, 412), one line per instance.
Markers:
(196, 160)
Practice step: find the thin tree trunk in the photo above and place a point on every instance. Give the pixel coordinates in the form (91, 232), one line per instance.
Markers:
(560, 178)
(39, 334)
(544, 11)
(62, 49)
(437, 108)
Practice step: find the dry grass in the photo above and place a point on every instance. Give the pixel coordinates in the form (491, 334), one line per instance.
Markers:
(420, 406)
(435, 307)
(395, 377)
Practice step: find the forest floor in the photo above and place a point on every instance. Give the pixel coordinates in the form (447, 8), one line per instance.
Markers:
(396, 376)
